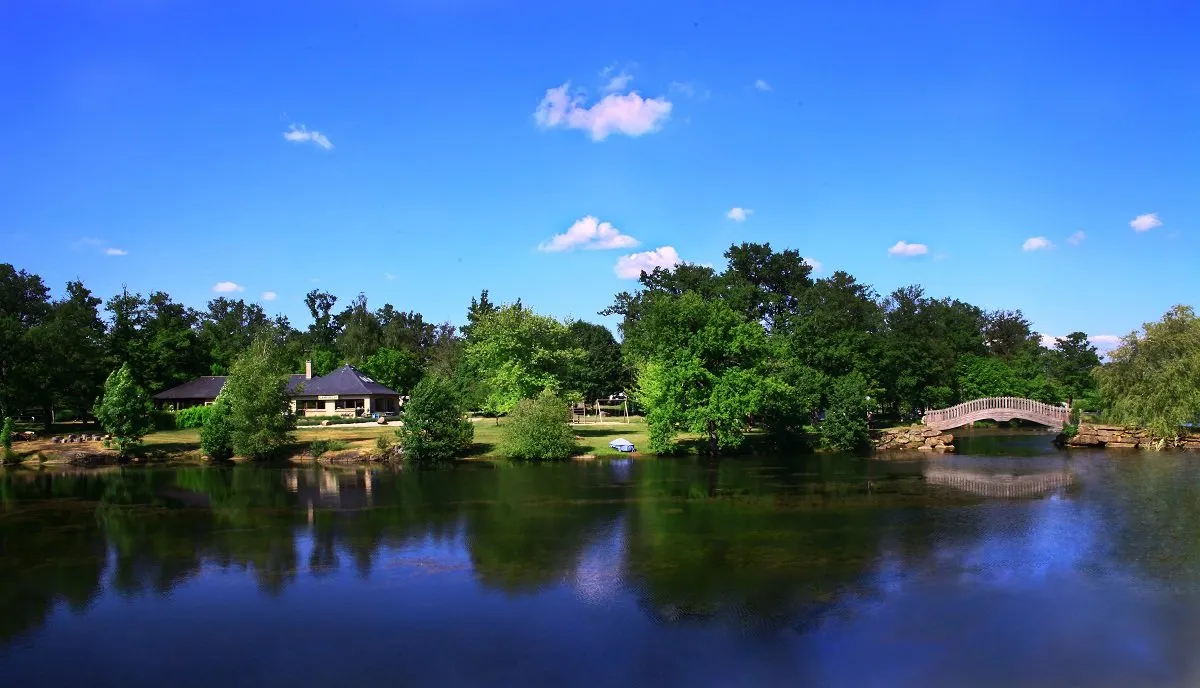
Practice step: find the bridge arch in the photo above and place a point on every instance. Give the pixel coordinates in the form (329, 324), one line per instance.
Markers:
(998, 409)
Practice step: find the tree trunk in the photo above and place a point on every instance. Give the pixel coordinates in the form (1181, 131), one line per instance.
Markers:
(713, 449)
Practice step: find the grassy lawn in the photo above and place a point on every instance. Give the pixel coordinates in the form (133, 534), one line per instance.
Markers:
(184, 445)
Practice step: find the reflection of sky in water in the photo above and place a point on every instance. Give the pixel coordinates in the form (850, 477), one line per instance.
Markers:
(597, 578)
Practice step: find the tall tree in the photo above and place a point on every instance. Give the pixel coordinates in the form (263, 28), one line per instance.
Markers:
(227, 329)
(1153, 379)
(1073, 363)
(699, 369)
(765, 285)
(405, 331)
(260, 414)
(73, 342)
(398, 369)
(601, 371)
(359, 331)
(24, 305)
(476, 311)
(323, 330)
(517, 354)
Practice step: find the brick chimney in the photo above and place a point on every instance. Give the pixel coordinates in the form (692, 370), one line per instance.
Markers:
(308, 369)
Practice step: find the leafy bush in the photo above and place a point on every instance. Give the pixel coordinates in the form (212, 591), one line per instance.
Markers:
(333, 420)
(6, 440)
(162, 420)
(216, 435)
(1071, 430)
(845, 424)
(537, 429)
(434, 428)
(193, 417)
(125, 410)
(319, 447)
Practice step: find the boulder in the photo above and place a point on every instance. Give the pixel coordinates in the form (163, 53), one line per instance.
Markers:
(933, 441)
(925, 448)
(931, 433)
(1121, 445)
(381, 421)
(324, 423)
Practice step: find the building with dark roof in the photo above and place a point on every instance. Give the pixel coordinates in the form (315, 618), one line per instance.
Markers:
(344, 392)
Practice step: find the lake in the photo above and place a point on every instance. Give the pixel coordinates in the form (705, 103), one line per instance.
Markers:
(821, 571)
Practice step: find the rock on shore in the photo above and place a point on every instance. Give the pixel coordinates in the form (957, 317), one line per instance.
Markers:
(915, 438)
(1122, 437)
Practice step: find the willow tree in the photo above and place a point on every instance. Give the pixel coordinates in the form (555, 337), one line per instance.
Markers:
(1153, 379)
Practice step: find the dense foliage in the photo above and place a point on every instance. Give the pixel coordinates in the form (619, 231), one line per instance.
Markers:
(538, 430)
(6, 434)
(845, 425)
(758, 344)
(124, 410)
(435, 428)
(260, 414)
(216, 436)
(1153, 379)
(192, 417)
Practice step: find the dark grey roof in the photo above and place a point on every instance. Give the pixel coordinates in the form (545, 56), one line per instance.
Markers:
(344, 380)
(209, 386)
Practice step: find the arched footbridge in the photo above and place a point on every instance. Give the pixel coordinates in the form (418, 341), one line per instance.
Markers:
(998, 409)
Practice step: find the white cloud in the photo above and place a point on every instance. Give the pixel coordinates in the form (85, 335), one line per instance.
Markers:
(227, 287)
(1036, 243)
(632, 266)
(1105, 341)
(762, 85)
(1145, 223)
(739, 214)
(1049, 340)
(623, 113)
(616, 81)
(269, 296)
(115, 252)
(813, 263)
(389, 276)
(590, 233)
(300, 134)
(1076, 238)
(903, 248)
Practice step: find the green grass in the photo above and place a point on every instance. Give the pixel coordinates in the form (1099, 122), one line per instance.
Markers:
(592, 438)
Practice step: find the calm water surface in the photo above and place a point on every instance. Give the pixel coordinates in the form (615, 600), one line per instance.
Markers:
(827, 571)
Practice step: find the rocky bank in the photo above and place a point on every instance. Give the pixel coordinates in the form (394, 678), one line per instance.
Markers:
(1121, 437)
(915, 438)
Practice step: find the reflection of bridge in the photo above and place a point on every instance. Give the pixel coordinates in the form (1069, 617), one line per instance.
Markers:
(986, 485)
(999, 409)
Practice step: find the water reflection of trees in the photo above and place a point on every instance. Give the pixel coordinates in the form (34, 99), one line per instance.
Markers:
(759, 542)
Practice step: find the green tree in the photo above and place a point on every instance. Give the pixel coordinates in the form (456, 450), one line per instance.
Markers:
(24, 305)
(124, 410)
(1073, 364)
(845, 425)
(477, 310)
(216, 435)
(6, 439)
(538, 430)
(987, 376)
(228, 329)
(260, 415)
(700, 369)
(325, 360)
(73, 343)
(601, 371)
(323, 330)
(517, 353)
(434, 428)
(399, 370)
(359, 331)
(1153, 380)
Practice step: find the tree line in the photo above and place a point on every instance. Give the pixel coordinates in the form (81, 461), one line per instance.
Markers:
(760, 344)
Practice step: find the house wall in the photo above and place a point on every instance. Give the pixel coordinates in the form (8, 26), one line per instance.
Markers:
(329, 407)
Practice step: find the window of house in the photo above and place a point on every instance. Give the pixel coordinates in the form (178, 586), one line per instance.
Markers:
(311, 404)
(349, 403)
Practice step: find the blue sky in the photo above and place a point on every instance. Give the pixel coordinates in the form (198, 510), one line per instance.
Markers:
(421, 151)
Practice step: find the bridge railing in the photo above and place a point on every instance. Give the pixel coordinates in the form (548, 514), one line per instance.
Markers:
(1029, 407)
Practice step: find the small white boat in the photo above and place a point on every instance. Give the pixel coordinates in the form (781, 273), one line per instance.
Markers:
(622, 445)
